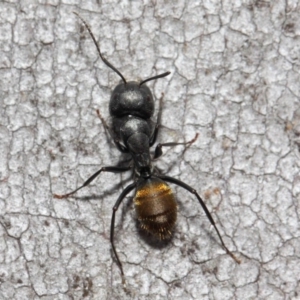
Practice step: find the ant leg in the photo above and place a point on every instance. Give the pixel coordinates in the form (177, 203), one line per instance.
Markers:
(106, 127)
(194, 192)
(128, 189)
(158, 150)
(87, 182)
(158, 121)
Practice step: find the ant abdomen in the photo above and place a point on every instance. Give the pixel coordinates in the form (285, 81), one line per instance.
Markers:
(156, 207)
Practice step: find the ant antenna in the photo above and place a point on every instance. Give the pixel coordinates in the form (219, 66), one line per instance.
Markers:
(155, 77)
(98, 48)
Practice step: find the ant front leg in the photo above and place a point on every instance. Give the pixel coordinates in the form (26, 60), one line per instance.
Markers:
(158, 121)
(194, 192)
(158, 150)
(106, 127)
(87, 182)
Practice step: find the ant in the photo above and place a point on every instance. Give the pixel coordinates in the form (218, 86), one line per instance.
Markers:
(131, 108)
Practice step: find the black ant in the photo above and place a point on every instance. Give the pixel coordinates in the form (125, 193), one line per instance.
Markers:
(131, 108)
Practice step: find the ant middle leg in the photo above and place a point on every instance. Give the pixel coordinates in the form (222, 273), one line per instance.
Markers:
(87, 182)
(158, 150)
(194, 192)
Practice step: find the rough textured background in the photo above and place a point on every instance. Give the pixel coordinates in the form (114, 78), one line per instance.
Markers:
(235, 80)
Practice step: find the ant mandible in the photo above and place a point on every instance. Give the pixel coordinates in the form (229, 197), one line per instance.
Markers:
(131, 108)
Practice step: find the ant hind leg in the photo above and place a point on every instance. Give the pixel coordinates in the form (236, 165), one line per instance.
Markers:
(124, 193)
(194, 192)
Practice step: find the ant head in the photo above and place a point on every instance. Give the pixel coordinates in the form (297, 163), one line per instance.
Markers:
(128, 97)
(131, 98)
